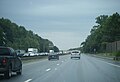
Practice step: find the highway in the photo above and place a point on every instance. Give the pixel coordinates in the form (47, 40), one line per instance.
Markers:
(87, 69)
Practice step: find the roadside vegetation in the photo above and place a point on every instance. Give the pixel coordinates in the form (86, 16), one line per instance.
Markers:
(107, 29)
(18, 37)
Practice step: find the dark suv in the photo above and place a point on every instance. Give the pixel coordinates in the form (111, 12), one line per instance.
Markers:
(9, 62)
(53, 56)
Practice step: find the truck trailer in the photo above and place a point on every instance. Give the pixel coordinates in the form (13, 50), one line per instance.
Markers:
(32, 51)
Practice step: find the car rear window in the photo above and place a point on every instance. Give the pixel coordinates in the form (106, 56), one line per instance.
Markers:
(4, 51)
(75, 52)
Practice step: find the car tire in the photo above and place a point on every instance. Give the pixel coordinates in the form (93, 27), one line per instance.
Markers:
(8, 73)
(49, 59)
(19, 72)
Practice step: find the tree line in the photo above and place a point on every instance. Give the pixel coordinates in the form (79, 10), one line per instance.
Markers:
(106, 30)
(18, 37)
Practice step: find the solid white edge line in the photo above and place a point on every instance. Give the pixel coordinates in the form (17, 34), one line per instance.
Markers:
(111, 64)
(28, 80)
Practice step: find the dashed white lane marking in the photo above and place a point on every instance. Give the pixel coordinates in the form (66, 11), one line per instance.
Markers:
(28, 80)
(48, 69)
(111, 64)
(62, 61)
(58, 64)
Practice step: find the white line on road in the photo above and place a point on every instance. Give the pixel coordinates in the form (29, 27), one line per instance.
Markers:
(62, 61)
(111, 64)
(28, 80)
(58, 64)
(48, 69)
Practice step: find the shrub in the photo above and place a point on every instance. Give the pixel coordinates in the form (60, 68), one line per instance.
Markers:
(117, 54)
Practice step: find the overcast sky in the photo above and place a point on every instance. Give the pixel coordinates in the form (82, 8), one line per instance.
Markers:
(65, 22)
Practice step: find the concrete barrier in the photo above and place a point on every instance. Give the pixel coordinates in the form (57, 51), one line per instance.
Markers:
(33, 57)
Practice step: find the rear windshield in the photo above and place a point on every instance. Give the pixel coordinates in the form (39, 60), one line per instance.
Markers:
(75, 52)
(4, 51)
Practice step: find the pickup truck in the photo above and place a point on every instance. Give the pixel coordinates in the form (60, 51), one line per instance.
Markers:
(9, 62)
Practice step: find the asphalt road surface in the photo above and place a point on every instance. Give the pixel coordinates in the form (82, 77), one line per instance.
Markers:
(87, 69)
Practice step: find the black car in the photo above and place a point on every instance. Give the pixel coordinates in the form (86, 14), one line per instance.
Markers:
(53, 56)
(9, 62)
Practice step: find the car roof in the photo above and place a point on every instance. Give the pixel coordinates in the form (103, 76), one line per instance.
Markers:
(7, 48)
(75, 51)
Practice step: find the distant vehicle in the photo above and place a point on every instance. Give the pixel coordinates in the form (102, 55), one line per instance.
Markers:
(20, 52)
(53, 55)
(33, 51)
(51, 51)
(9, 62)
(75, 54)
(26, 54)
(43, 54)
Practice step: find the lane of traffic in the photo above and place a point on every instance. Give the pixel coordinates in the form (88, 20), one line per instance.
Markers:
(35, 70)
(87, 69)
(107, 72)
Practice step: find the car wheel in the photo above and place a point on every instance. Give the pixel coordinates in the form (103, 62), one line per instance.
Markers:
(71, 57)
(8, 73)
(48, 58)
(19, 72)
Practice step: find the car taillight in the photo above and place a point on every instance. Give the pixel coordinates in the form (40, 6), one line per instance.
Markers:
(4, 61)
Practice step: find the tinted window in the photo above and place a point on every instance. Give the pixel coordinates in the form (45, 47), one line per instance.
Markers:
(4, 51)
(75, 52)
(12, 52)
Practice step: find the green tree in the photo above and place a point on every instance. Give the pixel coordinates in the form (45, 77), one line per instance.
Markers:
(106, 30)
(56, 49)
(19, 38)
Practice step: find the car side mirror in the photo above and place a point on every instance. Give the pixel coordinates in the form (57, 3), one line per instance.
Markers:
(15, 54)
